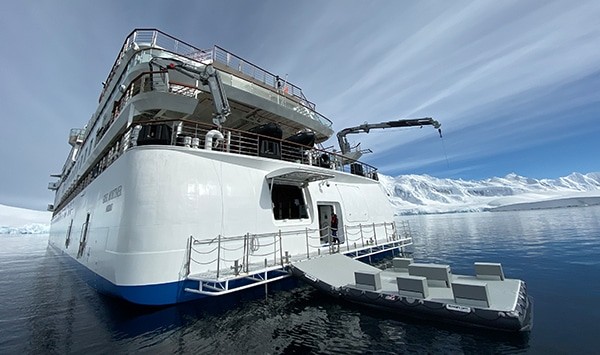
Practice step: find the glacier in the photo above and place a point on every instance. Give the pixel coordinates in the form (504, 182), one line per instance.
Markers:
(419, 194)
(15, 220)
(423, 194)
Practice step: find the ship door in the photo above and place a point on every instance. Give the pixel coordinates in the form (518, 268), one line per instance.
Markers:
(68, 240)
(325, 213)
(83, 237)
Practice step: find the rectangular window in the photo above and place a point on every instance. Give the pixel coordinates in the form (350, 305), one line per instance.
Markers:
(288, 202)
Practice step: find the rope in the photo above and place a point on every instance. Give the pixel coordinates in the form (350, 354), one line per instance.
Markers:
(266, 244)
(445, 153)
(232, 249)
(485, 318)
(206, 252)
(206, 263)
(266, 254)
(254, 243)
(367, 295)
(314, 246)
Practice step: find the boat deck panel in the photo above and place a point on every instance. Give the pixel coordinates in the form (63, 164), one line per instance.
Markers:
(338, 271)
(503, 294)
(335, 269)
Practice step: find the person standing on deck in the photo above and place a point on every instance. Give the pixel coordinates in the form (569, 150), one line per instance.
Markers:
(334, 228)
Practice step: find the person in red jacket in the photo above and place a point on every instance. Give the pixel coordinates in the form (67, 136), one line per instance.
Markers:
(334, 228)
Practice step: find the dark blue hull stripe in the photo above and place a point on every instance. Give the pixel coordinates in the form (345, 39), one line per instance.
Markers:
(151, 295)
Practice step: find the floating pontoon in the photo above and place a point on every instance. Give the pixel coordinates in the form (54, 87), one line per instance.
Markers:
(430, 291)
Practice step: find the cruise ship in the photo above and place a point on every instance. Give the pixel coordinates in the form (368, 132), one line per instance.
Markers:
(201, 174)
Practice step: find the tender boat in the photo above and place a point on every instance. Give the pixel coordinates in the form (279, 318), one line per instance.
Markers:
(429, 291)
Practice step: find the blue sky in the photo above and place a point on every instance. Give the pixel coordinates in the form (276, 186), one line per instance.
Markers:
(515, 84)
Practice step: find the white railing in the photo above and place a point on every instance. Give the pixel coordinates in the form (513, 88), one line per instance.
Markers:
(232, 61)
(157, 39)
(225, 257)
(236, 142)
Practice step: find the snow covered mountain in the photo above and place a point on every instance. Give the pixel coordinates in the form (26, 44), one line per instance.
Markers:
(14, 220)
(419, 194)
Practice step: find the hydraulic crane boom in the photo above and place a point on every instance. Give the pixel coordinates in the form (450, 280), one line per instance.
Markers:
(209, 77)
(366, 127)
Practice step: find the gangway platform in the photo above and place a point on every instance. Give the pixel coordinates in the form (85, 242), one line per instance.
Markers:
(430, 291)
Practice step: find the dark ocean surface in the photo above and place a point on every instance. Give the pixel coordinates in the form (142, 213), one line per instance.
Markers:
(45, 308)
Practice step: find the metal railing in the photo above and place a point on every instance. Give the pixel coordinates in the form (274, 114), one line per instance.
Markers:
(144, 82)
(192, 134)
(248, 143)
(159, 39)
(232, 61)
(226, 257)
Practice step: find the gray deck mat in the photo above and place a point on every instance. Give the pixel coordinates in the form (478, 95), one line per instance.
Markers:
(338, 270)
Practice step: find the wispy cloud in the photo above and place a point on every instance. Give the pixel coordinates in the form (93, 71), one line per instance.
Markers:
(501, 76)
(462, 62)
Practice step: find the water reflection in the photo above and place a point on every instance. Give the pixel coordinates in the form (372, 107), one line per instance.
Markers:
(47, 308)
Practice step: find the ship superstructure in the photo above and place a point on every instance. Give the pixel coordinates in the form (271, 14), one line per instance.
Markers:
(199, 175)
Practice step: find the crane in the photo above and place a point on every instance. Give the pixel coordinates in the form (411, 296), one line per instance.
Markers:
(207, 76)
(366, 127)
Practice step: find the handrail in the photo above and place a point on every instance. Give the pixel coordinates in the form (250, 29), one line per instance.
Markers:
(156, 38)
(247, 251)
(294, 103)
(311, 154)
(243, 66)
(241, 142)
(128, 93)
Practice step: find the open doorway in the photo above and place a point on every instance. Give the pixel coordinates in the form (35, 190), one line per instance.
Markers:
(288, 202)
(327, 227)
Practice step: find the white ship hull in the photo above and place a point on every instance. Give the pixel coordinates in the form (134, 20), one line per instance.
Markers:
(201, 174)
(142, 210)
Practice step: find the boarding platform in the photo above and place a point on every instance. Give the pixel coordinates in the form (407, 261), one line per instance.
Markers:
(486, 299)
(244, 274)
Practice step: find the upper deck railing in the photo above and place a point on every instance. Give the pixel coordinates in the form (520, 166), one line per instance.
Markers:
(230, 60)
(193, 134)
(159, 39)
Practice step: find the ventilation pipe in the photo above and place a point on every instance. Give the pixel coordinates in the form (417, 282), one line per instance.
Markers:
(208, 145)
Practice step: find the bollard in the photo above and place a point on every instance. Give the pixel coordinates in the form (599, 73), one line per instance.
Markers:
(236, 269)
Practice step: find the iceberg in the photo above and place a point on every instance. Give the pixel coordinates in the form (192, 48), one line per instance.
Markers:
(15, 220)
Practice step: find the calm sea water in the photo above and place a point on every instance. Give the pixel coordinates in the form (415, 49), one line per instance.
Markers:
(46, 308)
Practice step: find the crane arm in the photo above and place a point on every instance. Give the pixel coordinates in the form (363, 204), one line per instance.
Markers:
(210, 77)
(366, 127)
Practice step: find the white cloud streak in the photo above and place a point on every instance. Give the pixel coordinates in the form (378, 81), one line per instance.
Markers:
(493, 72)
(465, 59)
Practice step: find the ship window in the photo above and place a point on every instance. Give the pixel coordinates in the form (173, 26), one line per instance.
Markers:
(288, 202)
